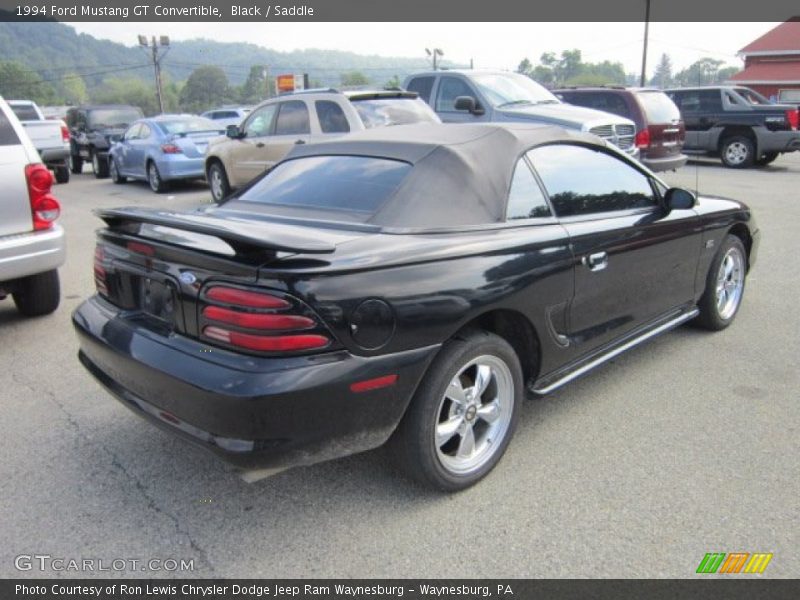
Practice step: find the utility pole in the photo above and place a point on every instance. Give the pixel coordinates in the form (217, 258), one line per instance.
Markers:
(265, 73)
(644, 48)
(159, 50)
(434, 54)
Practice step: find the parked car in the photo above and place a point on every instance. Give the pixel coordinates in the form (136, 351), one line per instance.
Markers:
(410, 283)
(499, 97)
(660, 131)
(737, 124)
(94, 129)
(277, 125)
(31, 242)
(227, 115)
(162, 149)
(50, 138)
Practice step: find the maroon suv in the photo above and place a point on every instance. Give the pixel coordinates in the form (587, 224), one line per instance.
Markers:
(660, 132)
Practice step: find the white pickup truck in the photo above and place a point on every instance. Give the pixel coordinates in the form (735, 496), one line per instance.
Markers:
(49, 137)
(31, 242)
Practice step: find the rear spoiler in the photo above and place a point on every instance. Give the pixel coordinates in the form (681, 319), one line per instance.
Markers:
(244, 236)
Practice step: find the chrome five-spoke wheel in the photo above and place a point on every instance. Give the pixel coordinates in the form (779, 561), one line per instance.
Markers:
(463, 414)
(474, 414)
(730, 283)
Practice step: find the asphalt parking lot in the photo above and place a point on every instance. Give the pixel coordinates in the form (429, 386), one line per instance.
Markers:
(685, 446)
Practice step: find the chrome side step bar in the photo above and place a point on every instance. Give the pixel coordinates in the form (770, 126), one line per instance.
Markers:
(596, 362)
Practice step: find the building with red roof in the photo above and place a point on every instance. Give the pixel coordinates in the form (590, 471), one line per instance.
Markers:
(772, 63)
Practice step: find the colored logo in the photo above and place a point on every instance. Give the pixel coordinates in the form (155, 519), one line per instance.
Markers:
(735, 562)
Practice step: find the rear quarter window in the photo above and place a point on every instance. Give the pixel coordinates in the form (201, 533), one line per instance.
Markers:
(353, 188)
(8, 137)
(423, 86)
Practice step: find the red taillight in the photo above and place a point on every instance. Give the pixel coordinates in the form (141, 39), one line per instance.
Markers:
(266, 343)
(259, 321)
(256, 320)
(100, 271)
(245, 298)
(793, 117)
(171, 149)
(643, 138)
(140, 248)
(64, 133)
(44, 207)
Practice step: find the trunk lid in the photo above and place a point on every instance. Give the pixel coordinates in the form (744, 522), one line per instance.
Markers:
(194, 144)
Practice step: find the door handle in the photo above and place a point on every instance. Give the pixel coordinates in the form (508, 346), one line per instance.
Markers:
(596, 262)
(300, 142)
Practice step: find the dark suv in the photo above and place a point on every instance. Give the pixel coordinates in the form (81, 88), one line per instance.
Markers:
(93, 130)
(660, 131)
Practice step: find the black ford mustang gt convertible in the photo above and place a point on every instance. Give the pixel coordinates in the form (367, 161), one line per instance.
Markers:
(409, 285)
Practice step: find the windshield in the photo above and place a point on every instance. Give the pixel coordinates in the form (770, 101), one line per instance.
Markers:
(100, 118)
(508, 89)
(384, 112)
(188, 125)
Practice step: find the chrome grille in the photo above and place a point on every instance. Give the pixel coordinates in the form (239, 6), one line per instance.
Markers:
(621, 136)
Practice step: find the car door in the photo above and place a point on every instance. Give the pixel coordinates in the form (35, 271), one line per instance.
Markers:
(292, 127)
(449, 88)
(246, 156)
(634, 261)
(122, 154)
(137, 150)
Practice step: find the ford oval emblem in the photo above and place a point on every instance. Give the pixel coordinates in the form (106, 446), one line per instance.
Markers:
(188, 277)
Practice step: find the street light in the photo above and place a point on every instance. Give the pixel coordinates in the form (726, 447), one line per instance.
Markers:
(433, 54)
(153, 46)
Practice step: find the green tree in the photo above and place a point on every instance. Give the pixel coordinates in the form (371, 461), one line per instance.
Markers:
(206, 87)
(394, 82)
(354, 78)
(254, 90)
(73, 89)
(19, 83)
(662, 77)
(525, 67)
(128, 90)
(706, 71)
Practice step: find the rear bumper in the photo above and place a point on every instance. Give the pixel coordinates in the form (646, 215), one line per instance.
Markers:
(55, 156)
(667, 163)
(252, 412)
(181, 167)
(31, 253)
(779, 141)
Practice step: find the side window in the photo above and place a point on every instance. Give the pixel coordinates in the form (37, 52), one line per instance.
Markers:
(145, 132)
(331, 117)
(8, 137)
(451, 88)
(292, 118)
(133, 132)
(710, 101)
(423, 86)
(260, 121)
(525, 199)
(585, 181)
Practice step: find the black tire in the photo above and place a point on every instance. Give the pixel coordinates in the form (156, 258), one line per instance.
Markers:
(218, 182)
(38, 294)
(712, 316)
(62, 174)
(767, 158)
(737, 152)
(113, 171)
(75, 164)
(100, 165)
(414, 445)
(154, 180)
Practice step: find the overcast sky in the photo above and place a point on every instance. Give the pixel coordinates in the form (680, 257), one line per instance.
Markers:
(490, 45)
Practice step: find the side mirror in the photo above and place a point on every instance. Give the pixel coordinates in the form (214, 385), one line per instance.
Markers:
(233, 132)
(679, 198)
(469, 104)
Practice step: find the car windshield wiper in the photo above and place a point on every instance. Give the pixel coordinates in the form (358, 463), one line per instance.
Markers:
(513, 102)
